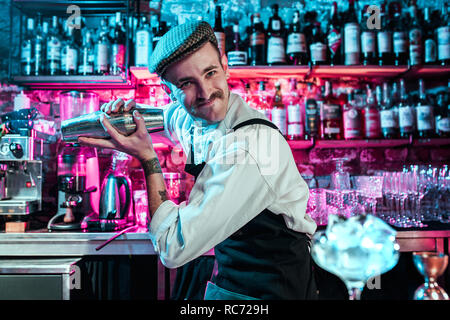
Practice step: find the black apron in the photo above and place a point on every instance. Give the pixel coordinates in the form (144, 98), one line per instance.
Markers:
(262, 260)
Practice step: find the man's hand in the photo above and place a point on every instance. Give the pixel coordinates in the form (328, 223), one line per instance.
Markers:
(139, 144)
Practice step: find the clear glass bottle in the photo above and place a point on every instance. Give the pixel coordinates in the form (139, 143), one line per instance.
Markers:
(443, 37)
(26, 52)
(102, 60)
(279, 110)
(295, 126)
(263, 104)
(69, 53)
(429, 42)
(384, 39)
(54, 45)
(387, 114)
(39, 47)
(352, 119)
(400, 40)
(424, 114)
(368, 41)
(144, 47)
(406, 117)
(87, 55)
(352, 36)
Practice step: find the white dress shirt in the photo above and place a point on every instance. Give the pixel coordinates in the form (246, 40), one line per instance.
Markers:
(246, 171)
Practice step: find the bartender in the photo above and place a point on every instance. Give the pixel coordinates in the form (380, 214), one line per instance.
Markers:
(248, 201)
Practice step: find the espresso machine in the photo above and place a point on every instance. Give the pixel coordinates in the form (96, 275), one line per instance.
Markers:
(78, 182)
(20, 169)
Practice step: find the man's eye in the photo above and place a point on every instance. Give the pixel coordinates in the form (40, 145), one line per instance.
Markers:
(211, 73)
(184, 85)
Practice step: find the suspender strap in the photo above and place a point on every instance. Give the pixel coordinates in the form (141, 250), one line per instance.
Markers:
(256, 121)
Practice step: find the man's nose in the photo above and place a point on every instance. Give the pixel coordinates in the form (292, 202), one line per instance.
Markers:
(204, 91)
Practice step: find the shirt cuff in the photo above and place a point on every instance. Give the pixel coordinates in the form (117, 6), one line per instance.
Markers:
(162, 219)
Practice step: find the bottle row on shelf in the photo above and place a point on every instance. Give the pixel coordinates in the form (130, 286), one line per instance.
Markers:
(384, 111)
(53, 47)
(402, 36)
(357, 36)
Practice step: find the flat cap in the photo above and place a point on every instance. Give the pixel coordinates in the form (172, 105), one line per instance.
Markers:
(180, 42)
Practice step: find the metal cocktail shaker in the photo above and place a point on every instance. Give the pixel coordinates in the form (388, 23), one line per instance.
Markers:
(89, 125)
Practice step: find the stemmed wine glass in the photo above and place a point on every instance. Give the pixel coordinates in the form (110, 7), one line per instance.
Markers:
(355, 249)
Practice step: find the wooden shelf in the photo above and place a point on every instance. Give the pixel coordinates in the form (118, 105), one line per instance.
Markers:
(376, 143)
(431, 142)
(74, 82)
(277, 72)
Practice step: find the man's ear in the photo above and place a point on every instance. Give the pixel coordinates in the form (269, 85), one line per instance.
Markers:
(224, 61)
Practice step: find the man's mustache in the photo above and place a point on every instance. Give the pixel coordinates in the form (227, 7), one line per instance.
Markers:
(217, 94)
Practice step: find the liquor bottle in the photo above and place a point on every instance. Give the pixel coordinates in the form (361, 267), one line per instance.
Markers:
(54, 49)
(69, 53)
(352, 119)
(236, 57)
(405, 113)
(144, 46)
(317, 45)
(368, 41)
(443, 38)
(295, 127)
(296, 49)
(312, 113)
(352, 36)
(218, 30)
(87, 55)
(118, 49)
(330, 115)
(371, 116)
(263, 104)
(334, 37)
(39, 46)
(279, 110)
(400, 40)
(161, 29)
(26, 53)
(45, 36)
(443, 116)
(395, 101)
(101, 63)
(275, 39)
(384, 39)
(424, 114)
(387, 114)
(430, 48)
(415, 37)
(257, 43)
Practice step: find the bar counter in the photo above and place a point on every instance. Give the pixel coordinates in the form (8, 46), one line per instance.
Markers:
(137, 242)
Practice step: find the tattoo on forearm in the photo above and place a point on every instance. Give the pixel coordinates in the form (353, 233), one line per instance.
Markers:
(151, 166)
(163, 195)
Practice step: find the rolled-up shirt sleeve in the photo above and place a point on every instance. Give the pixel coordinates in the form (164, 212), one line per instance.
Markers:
(228, 193)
